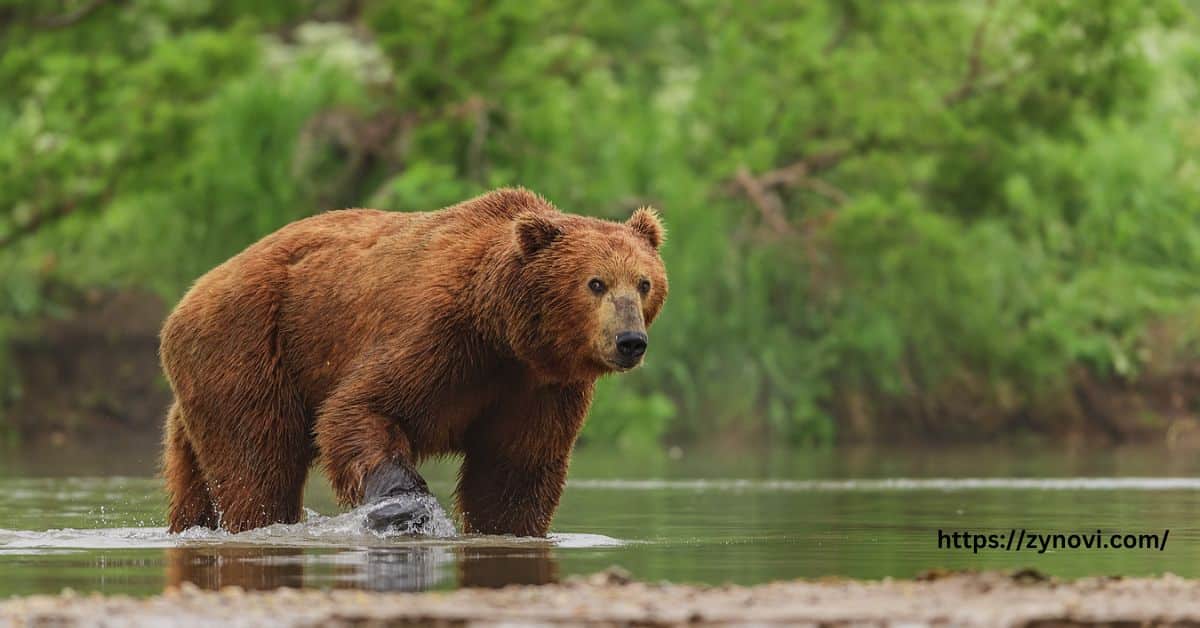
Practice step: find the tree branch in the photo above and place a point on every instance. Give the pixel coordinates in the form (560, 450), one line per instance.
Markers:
(798, 174)
(478, 109)
(45, 218)
(767, 202)
(39, 220)
(845, 25)
(826, 189)
(970, 81)
(74, 17)
(792, 174)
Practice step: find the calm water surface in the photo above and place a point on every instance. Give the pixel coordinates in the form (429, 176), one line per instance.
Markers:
(94, 522)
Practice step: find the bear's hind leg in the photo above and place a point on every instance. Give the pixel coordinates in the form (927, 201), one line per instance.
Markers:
(261, 481)
(255, 455)
(190, 502)
(223, 352)
(248, 504)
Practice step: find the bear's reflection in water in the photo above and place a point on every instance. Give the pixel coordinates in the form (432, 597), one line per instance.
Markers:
(412, 568)
(495, 567)
(251, 568)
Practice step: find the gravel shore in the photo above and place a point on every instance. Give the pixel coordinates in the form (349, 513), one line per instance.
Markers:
(609, 599)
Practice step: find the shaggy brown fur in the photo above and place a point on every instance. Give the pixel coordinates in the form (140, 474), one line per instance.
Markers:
(365, 338)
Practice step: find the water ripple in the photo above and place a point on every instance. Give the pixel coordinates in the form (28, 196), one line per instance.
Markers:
(900, 484)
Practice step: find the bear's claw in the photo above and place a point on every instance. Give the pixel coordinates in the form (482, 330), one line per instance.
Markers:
(402, 516)
(400, 502)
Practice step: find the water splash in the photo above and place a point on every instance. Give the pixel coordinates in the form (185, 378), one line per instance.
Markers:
(342, 530)
(318, 529)
(431, 521)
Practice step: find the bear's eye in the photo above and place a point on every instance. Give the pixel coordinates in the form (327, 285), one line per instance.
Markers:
(597, 286)
(644, 286)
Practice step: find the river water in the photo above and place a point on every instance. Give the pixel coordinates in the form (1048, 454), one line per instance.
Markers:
(94, 522)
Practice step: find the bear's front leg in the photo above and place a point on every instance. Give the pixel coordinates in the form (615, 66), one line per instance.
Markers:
(369, 460)
(497, 496)
(515, 463)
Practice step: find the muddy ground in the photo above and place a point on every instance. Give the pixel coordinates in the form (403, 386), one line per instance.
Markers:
(609, 599)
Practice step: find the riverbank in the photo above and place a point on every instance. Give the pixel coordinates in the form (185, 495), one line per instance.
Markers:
(92, 376)
(610, 599)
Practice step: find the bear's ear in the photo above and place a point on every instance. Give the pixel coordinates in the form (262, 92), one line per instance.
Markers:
(645, 222)
(535, 232)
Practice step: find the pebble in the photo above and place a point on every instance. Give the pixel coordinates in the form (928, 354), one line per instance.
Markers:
(612, 597)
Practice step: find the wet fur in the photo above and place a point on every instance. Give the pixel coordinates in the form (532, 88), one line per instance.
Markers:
(361, 337)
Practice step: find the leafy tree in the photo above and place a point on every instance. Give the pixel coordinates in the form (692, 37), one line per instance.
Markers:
(943, 210)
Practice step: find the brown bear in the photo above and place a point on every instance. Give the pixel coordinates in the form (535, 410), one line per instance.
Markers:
(371, 340)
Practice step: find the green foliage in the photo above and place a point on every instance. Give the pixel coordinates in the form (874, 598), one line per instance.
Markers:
(630, 421)
(863, 198)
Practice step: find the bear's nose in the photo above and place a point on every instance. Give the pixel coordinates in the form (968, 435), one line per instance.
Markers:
(632, 344)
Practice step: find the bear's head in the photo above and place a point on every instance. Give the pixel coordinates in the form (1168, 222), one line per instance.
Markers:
(592, 289)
